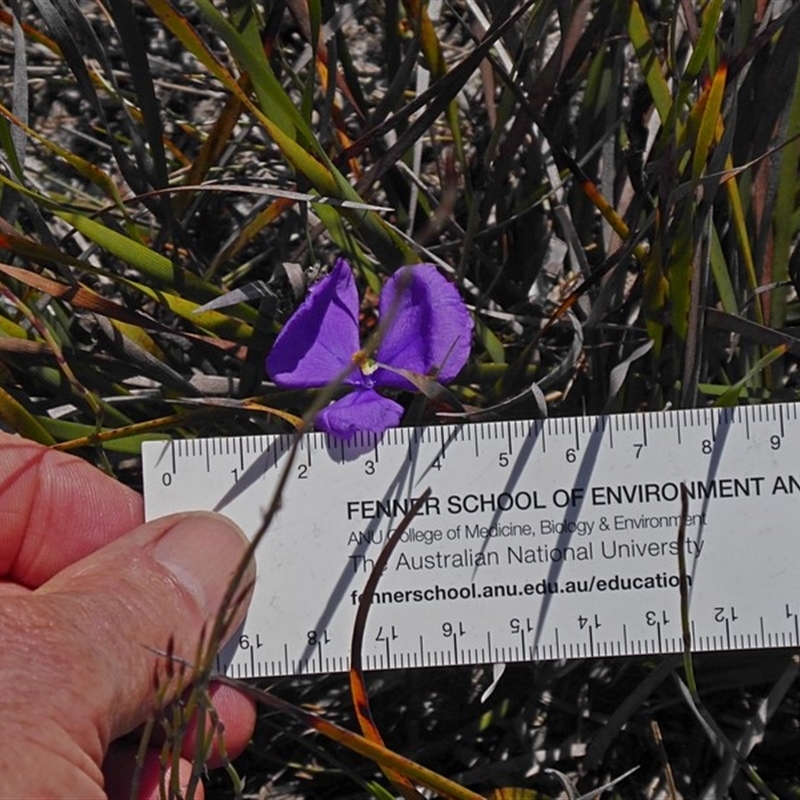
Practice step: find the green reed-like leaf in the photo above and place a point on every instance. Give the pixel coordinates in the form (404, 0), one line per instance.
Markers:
(11, 329)
(149, 263)
(645, 49)
(710, 122)
(162, 270)
(219, 324)
(743, 237)
(492, 345)
(680, 273)
(720, 272)
(785, 215)
(117, 440)
(20, 420)
(731, 396)
(654, 295)
(702, 51)
(434, 56)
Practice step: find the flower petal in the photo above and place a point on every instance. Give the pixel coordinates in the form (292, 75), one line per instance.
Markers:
(319, 340)
(430, 327)
(361, 410)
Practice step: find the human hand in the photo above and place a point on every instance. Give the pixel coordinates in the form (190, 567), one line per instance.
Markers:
(87, 592)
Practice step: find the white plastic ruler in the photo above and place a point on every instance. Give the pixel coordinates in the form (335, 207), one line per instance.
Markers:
(541, 539)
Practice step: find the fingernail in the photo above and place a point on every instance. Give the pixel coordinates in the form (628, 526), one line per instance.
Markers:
(203, 550)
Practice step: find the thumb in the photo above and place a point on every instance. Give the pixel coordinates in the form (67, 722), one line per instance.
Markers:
(96, 623)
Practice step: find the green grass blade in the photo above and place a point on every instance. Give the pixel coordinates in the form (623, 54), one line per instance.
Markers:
(680, 273)
(19, 419)
(784, 222)
(248, 50)
(731, 396)
(149, 263)
(117, 440)
(743, 237)
(645, 49)
(722, 276)
(702, 50)
(710, 122)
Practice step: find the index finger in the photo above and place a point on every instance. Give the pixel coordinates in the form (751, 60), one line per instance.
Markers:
(54, 510)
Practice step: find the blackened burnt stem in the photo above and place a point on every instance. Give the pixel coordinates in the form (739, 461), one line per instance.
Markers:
(365, 601)
(688, 664)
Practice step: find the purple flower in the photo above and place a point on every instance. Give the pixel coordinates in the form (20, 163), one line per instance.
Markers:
(429, 333)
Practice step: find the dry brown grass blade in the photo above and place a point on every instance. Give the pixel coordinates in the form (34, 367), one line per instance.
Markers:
(658, 739)
(79, 296)
(215, 143)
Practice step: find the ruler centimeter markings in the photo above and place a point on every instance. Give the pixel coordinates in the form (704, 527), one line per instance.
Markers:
(541, 539)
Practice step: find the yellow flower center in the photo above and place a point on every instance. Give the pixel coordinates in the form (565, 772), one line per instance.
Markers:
(364, 362)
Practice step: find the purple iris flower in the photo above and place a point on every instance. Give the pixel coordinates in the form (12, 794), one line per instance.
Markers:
(429, 333)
